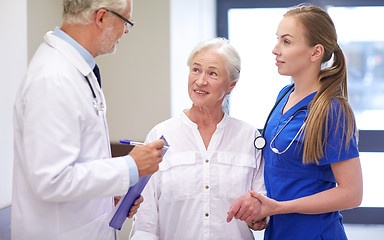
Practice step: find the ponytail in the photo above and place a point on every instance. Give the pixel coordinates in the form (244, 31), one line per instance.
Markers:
(333, 84)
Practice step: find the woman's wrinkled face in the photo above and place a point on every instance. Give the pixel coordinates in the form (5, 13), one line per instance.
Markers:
(208, 80)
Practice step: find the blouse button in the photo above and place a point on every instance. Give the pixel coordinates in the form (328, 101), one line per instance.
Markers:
(207, 214)
(207, 187)
(207, 161)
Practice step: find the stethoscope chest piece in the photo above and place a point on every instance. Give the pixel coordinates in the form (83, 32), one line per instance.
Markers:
(97, 104)
(259, 142)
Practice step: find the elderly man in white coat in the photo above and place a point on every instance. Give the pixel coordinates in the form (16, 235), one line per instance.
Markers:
(65, 179)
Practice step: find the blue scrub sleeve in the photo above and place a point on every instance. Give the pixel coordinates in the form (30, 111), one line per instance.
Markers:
(335, 149)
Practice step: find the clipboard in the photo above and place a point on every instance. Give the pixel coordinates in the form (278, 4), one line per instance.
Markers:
(125, 203)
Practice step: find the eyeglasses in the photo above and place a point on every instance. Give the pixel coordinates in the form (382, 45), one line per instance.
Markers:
(127, 23)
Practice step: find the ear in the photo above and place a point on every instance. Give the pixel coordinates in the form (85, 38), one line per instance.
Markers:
(99, 16)
(231, 86)
(318, 52)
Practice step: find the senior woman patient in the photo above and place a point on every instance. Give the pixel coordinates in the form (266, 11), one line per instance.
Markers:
(211, 161)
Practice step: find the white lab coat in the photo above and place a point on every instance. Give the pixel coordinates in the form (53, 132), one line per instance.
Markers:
(64, 176)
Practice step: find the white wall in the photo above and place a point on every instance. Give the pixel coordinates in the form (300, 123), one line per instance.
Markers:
(13, 63)
(191, 22)
(136, 78)
(42, 16)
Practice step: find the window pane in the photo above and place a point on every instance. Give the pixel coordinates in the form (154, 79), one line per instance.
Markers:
(372, 165)
(253, 33)
(363, 45)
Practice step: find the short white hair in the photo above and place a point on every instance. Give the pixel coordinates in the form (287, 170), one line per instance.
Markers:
(224, 49)
(80, 11)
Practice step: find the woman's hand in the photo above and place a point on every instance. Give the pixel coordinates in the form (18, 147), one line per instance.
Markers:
(259, 225)
(268, 206)
(245, 208)
(135, 206)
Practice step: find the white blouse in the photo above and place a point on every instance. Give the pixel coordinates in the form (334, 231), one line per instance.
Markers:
(190, 195)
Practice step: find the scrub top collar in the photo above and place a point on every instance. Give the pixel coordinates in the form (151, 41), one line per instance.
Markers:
(83, 52)
(303, 102)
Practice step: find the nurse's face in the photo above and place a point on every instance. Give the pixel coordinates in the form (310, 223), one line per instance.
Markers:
(292, 50)
(208, 80)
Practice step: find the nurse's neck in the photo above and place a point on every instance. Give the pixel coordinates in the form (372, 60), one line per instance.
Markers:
(305, 88)
(300, 91)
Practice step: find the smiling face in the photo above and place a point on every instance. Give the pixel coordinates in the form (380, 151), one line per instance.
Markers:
(293, 53)
(208, 80)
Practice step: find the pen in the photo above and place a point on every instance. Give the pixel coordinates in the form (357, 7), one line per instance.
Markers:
(135, 143)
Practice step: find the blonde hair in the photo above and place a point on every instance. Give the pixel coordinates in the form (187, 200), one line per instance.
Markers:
(320, 29)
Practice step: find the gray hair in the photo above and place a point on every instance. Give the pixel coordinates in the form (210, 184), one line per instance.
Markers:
(224, 49)
(80, 11)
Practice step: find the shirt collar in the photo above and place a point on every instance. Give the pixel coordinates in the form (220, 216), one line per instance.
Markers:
(83, 52)
(188, 121)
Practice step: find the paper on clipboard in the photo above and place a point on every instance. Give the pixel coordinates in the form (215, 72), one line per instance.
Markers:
(125, 203)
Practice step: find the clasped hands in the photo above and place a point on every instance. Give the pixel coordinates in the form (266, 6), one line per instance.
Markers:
(252, 208)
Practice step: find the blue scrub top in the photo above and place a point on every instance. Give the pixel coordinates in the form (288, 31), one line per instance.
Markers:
(287, 178)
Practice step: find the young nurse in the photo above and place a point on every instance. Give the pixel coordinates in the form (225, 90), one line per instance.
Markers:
(312, 165)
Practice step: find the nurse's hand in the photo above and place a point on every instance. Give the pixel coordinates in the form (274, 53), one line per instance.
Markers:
(269, 206)
(246, 208)
(135, 206)
(148, 157)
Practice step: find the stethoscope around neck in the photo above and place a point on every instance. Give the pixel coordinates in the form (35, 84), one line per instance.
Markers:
(98, 105)
(260, 141)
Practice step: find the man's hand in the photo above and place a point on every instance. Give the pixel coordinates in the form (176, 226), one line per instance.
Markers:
(148, 157)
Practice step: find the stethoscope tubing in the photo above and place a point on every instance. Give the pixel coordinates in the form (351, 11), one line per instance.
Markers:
(98, 106)
(275, 150)
(260, 141)
(90, 86)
